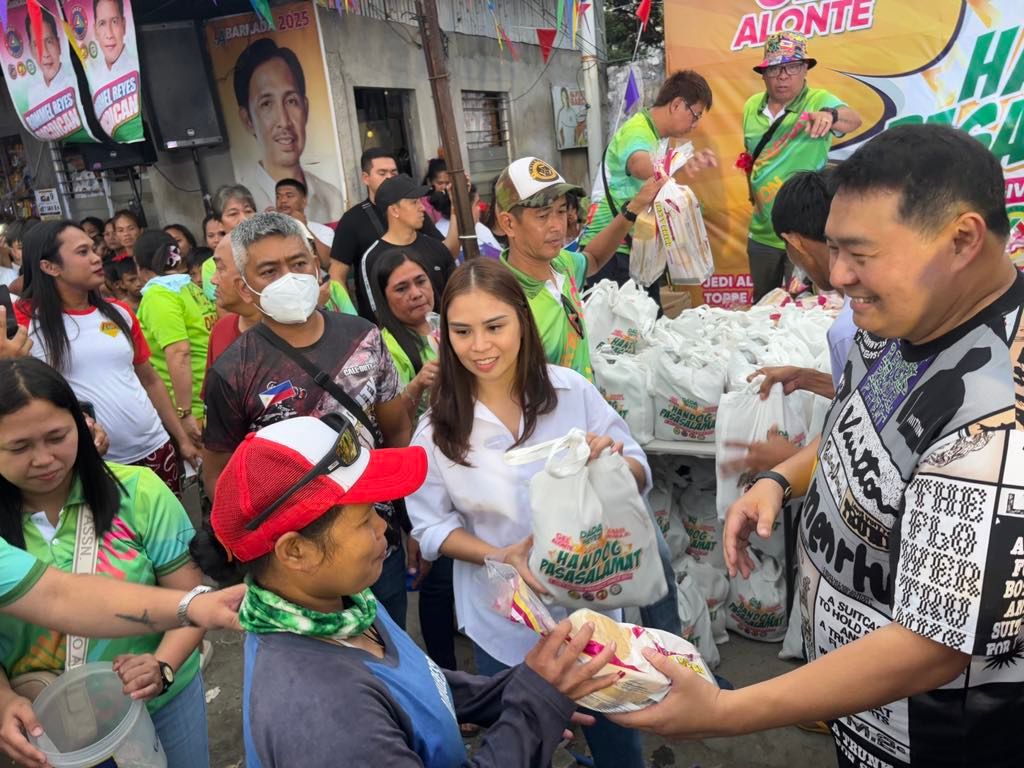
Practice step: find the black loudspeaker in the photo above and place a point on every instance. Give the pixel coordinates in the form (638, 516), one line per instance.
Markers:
(99, 157)
(181, 104)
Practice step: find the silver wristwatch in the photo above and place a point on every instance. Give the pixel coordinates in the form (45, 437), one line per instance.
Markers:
(186, 601)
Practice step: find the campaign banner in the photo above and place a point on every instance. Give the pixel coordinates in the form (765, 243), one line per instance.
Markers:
(277, 107)
(105, 32)
(570, 116)
(43, 89)
(892, 61)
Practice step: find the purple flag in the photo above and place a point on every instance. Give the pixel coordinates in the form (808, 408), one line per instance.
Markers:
(632, 97)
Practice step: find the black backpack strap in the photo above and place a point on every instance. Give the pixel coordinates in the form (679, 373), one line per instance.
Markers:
(324, 381)
(767, 137)
(371, 214)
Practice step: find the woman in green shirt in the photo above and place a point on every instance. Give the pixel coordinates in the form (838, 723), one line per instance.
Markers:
(51, 478)
(176, 318)
(404, 297)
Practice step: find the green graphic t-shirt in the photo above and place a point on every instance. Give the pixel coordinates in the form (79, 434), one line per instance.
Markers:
(637, 134)
(19, 572)
(174, 309)
(148, 539)
(404, 366)
(560, 321)
(339, 300)
(790, 149)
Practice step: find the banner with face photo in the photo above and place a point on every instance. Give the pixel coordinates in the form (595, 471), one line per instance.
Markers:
(43, 88)
(892, 61)
(105, 29)
(277, 108)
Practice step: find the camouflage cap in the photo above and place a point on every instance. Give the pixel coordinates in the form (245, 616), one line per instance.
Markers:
(531, 183)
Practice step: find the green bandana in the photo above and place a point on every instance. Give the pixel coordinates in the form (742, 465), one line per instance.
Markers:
(263, 612)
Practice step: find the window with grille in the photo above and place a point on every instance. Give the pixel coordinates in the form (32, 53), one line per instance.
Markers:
(487, 137)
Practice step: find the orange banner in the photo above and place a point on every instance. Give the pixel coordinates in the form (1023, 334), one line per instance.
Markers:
(957, 62)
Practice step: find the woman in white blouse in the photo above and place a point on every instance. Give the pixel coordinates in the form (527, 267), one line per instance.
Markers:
(499, 393)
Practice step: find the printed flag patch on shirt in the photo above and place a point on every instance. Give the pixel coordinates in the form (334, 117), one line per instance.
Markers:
(277, 393)
(109, 328)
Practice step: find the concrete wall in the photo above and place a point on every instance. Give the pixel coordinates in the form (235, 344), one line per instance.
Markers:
(362, 52)
(366, 52)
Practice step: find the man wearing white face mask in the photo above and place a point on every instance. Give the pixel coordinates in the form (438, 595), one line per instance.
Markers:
(302, 362)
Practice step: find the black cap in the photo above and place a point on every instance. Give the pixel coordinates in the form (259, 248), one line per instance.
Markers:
(399, 187)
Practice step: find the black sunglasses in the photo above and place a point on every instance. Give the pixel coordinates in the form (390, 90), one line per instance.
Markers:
(345, 452)
(573, 316)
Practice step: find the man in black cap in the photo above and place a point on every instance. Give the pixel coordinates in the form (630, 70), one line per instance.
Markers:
(400, 198)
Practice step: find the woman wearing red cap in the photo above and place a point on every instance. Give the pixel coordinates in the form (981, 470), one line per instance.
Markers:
(329, 678)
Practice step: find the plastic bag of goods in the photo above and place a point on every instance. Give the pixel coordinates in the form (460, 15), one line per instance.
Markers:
(713, 585)
(744, 418)
(618, 319)
(700, 516)
(664, 501)
(647, 259)
(594, 539)
(757, 605)
(793, 642)
(640, 684)
(683, 236)
(686, 397)
(695, 619)
(624, 382)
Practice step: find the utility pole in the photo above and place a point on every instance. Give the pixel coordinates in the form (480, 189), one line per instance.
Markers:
(437, 71)
(592, 92)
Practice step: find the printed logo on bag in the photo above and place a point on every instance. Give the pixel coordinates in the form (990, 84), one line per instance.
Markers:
(616, 401)
(688, 419)
(756, 620)
(541, 171)
(593, 566)
(703, 537)
(622, 342)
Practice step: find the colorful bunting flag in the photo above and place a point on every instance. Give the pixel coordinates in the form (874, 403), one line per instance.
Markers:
(575, 20)
(508, 42)
(584, 7)
(546, 41)
(632, 97)
(262, 8)
(643, 12)
(35, 15)
(560, 15)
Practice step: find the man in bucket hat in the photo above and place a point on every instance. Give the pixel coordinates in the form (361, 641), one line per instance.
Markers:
(787, 128)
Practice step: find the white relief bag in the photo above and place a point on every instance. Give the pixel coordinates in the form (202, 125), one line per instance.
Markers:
(624, 382)
(594, 544)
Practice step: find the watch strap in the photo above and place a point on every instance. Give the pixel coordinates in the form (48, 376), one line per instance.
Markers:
(787, 489)
(183, 618)
(627, 214)
(166, 675)
(834, 112)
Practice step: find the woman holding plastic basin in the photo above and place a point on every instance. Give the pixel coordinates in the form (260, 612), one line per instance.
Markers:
(500, 393)
(57, 496)
(330, 678)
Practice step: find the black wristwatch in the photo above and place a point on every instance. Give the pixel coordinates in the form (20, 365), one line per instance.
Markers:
(627, 214)
(787, 490)
(166, 675)
(834, 112)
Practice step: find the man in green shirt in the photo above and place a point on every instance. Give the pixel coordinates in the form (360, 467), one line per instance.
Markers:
(805, 119)
(532, 211)
(629, 160)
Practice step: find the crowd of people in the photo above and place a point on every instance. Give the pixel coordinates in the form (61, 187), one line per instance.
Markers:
(346, 395)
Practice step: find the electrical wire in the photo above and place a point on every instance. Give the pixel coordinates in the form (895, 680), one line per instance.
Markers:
(166, 178)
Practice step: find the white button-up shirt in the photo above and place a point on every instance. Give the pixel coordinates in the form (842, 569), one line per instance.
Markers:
(491, 500)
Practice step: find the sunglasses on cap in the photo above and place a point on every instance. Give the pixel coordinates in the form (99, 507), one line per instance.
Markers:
(345, 452)
(573, 316)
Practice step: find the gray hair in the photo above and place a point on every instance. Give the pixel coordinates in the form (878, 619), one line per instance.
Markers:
(257, 227)
(229, 192)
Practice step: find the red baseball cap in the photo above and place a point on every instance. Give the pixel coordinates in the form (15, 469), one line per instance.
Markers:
(269, 462)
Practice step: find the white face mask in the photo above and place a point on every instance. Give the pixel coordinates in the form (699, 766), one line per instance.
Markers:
(290, 299)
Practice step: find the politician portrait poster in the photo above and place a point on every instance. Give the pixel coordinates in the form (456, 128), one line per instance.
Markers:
(43, 88)
(105, 31)
(273, 91)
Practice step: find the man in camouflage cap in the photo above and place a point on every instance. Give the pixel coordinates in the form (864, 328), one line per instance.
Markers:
(532, 211)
